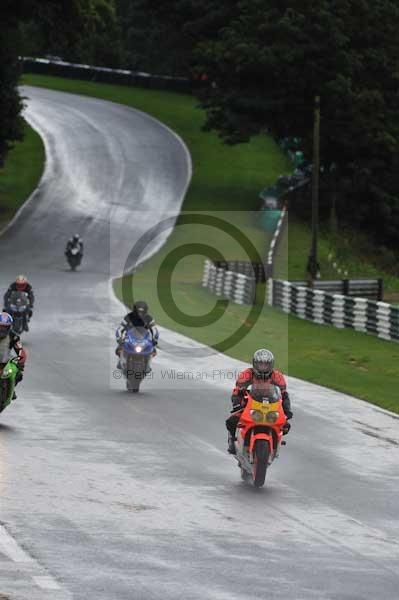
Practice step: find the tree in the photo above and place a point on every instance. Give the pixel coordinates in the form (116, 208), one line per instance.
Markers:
(77, 30)
(161, 37)
(273, 57)
(83, 30)
(101, 44)
(10, 102)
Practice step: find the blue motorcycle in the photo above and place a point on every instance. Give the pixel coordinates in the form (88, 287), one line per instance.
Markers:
(137, 349)
(18, 307)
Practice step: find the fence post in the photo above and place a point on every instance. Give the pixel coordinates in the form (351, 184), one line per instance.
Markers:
(380, 289)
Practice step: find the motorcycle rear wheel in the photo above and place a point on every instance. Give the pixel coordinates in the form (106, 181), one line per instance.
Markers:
(261, 460)
(3, 394)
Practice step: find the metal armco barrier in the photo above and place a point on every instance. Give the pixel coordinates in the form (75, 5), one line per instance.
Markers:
(44, 66)
(372, 289)
(338, 310)
(237, 287)
(275, 241)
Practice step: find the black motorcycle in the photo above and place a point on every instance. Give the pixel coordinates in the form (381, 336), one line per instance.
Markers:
(74, 257)
(19, 308)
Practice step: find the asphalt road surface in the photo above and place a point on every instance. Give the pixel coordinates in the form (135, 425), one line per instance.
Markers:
(108, 496)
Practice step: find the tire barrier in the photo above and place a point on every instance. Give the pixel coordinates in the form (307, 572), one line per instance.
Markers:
(60, 68)
(360, 314)
(233, 285)
(252, 269)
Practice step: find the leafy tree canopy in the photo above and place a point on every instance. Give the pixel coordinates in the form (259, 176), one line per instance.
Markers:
(81, 30)
(161, 37)
(271, 59)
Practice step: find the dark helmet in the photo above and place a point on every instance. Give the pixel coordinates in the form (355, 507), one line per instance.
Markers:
(140, 308)
(263, 363)
(6, 322)
(76, 237)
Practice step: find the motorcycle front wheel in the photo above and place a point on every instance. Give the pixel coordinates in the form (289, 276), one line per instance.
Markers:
(261, 460)
(133, 384)
(136, 372)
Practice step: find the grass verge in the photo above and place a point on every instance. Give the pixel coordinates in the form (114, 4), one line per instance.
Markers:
(229, 178)
(343, 250)
(20, 174)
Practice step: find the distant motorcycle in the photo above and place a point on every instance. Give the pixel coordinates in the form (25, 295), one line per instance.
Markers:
(74, 257)
(137, 349)
(259, 432)
(18, 307)
(8, 375)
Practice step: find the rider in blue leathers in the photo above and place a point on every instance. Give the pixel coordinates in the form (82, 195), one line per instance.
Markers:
(138, 317)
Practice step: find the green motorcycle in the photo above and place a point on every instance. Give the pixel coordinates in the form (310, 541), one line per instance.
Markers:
(8, 375)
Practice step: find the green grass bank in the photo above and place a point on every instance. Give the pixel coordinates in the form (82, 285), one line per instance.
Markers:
(20, 174)
(229, 179)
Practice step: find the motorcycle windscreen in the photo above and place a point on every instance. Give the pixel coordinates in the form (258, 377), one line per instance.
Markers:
(139, 335)
(139, 341)
(265, 391)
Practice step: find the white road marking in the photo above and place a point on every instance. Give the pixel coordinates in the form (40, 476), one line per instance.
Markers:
(46, 583)
(10, 548)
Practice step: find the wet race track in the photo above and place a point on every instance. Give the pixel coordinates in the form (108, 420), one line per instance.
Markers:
(109, 496)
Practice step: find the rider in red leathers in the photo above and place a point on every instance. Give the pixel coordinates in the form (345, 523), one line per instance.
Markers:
(21, 284)
(262, 370)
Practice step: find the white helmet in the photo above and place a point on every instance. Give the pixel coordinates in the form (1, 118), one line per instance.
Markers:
(263, 363)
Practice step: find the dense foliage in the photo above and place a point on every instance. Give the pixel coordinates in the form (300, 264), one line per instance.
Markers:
(81, 30)
(76, 30)
(162, 36)
(10, 102)
(273, 57)
(263, 61)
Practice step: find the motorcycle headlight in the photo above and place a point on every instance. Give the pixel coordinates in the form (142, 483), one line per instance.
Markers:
(256, 415)
(138, 349)
(272, 416)
(6, 373)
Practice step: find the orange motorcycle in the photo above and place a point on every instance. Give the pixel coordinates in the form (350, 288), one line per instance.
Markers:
(260, 430)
